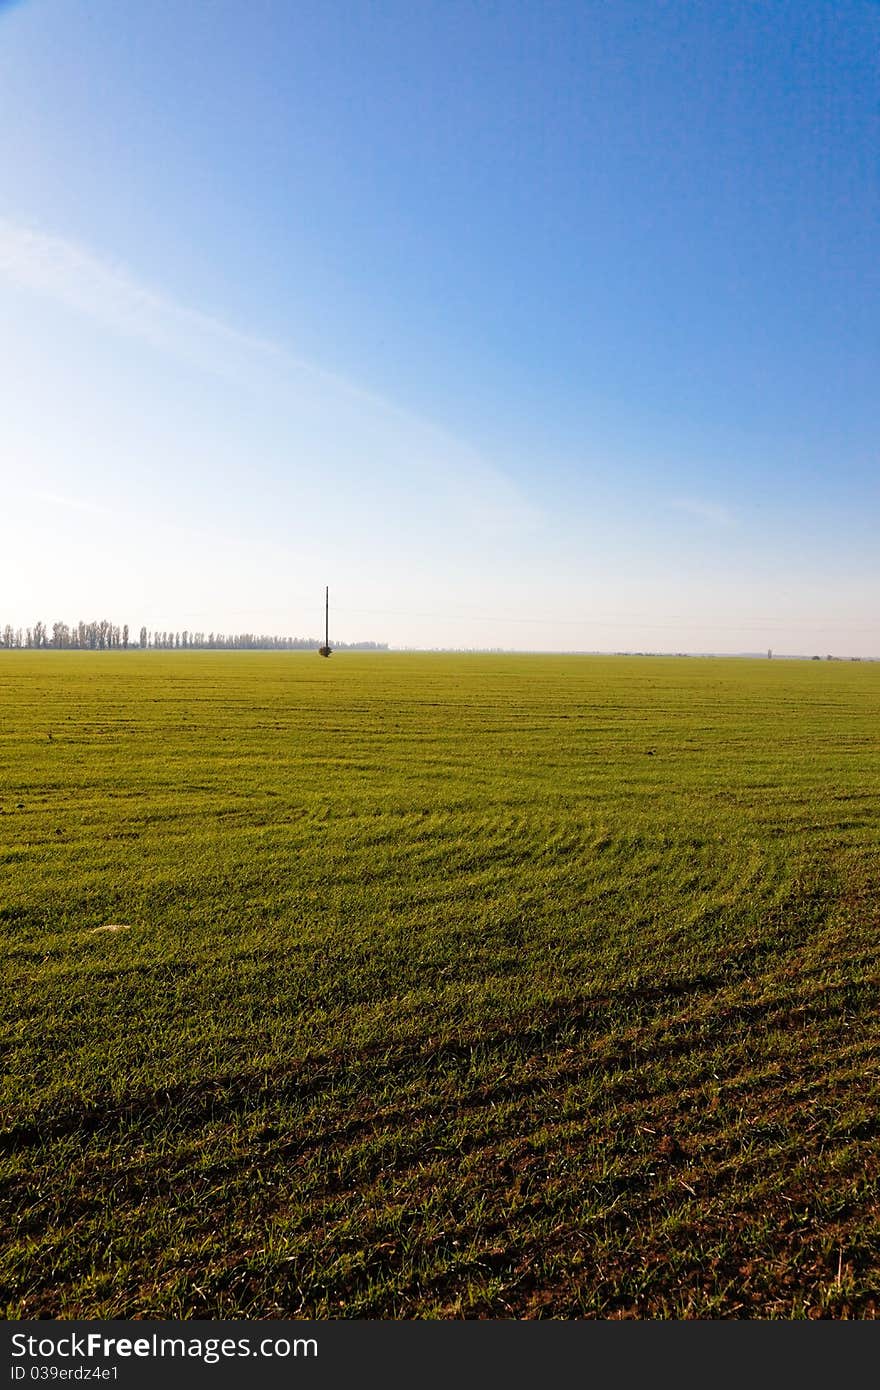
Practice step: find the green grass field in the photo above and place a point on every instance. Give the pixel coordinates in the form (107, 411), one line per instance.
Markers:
(451, 986)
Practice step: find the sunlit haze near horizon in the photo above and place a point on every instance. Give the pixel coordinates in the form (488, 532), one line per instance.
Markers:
(521, 326)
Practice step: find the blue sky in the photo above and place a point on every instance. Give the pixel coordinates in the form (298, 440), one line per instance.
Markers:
(519, 324)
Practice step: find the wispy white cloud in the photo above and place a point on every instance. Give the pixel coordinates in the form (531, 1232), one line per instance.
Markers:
(715, 513)
(74, 504)
(460, 479)
(75, 277)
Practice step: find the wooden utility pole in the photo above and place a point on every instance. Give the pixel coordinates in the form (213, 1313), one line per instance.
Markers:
(325, 650)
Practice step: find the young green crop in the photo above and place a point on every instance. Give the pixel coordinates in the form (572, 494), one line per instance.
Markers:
(439, 985)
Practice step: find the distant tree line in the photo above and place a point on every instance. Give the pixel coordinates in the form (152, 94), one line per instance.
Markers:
(106, 636)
